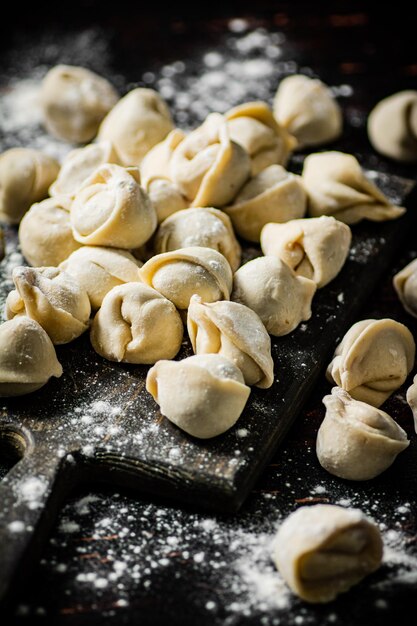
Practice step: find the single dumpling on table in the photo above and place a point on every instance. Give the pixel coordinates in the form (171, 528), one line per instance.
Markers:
(392, 126)
(405, 284)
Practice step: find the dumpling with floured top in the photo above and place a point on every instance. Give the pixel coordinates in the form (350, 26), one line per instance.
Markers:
(392, 126)
(405, 284)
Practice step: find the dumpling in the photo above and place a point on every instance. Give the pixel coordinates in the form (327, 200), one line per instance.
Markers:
(207, 227)
(324, 550)
(204, 395)
(253, 126)
(209, 168)
(270, 288)
(187, 271)
(373, 360)
(316, 247)
(79, 164)
(412, 400)
(27, 357)
(336, 185)
(98, 270)
(308, 110)
(112, 209)
(52, 298)
(392, 126)
(25, 177)
(45, 233)
(405, 284)
(235, 332)
(356, 441)
(74, 101)
(135, 324)
(139, 121)
(274, 195)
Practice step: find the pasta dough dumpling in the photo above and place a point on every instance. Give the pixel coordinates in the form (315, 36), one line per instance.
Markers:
(204, 395)
(412, 400)
(373, 360)
(392, 126)
(323, 550)
(405, 284)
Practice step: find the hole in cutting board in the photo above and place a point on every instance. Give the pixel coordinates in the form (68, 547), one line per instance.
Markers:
(12, 449)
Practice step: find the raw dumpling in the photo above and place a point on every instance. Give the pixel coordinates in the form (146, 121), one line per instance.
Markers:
(412, 400)
(274, 195)
(405, 284)
(270, 288)
(324, 550)
(356, 441)
(52, 298)
(139, 121)
(253, 126)
(112, 209)
(392, 126)
(98, 270)
(373, 360)
(316, 247)
(74, 101)
(79, 164)
(187, 271)
(208, 228)
(336, 185)
(25, 177)
(45, 233)
(135, 324)
(209, 168)
(203, 395)
(235, 332)
(27, 357)
(308, 110)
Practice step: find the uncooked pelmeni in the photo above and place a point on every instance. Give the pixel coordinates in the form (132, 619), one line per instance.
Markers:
(99, 269)
(166, 198)
(181, 273)
(308, 110)
(412, 400)
(112, 209)
(135, 324)
(356, 441)
(323, 550)
(139, 121)
(27, 357)
(392, 126)
(373, 360)
(253, 126)
(316, 247)
(74, 102)
(336, 185)
(209, 168)
(25, 177)
(270, 288)
(274, 195)
(237, 333)
(204, 395)
(205, 227)
(405, 284)
(45, 233)
(52, 298)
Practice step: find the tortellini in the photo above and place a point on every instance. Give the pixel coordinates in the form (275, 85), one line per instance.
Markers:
(209, 168)
(356, 441)
(208, 228)
(274, 195)
(235, 332)
(27, 357)
(270, 288)
(373, 360)
(204, 395)
(135, 324)
(323, 550)
(187, 271)
(112, 209)
(51, 297)
(139, 121)
(392, 126)
(25, 177)
(316, 247)
(412, 400)
(336, 185)
(253, 126)
(74, 102)
(98, 270)
(405, 284)
(308, 110)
